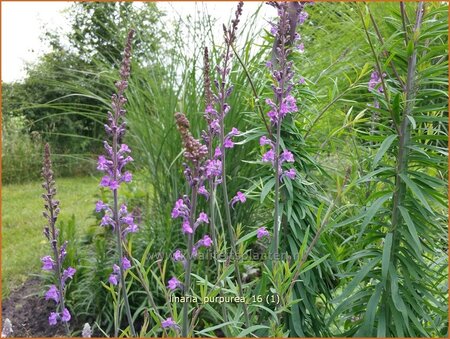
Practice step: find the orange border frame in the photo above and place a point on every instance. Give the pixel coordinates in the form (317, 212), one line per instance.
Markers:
(230, 1)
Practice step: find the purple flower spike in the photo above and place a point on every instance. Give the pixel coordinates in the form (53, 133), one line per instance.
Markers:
(173, 284)
(47, 263)
(262, 232)
(65, 315)
(53, 318)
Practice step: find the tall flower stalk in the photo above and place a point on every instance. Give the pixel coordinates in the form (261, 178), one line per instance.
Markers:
(113, 163)
(208, 137)
(223, 92)
(54, 263)
(185, 208)
(283, 103)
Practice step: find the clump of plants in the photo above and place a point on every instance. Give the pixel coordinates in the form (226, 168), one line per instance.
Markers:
(311, 262)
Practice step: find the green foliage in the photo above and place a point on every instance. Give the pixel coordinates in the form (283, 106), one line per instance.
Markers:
(21, 151)
(398, 250)
(364, 225)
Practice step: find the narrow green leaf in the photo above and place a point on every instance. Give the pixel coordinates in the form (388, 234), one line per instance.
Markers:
(410, 225)
(417, 191)
(251, 329)
(356, 280)
(386, 257)
(266, 189)
(385, 145)
(373, 209)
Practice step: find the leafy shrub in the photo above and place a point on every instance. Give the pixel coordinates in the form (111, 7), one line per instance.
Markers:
(21, 151)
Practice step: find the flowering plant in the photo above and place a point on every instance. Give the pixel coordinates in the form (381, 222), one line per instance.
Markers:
(113, 164)
(54, 263)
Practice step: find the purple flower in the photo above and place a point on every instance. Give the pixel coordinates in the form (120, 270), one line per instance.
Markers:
(213, 168)
(234, 132)
(53, 318)
(100, 206)
(375, 80)
(290, 104)
(180, 209)
(211, 111)
(178, 256)
(173, 284)
(290, 174)
(202, 190)
(65, 315)
(228, 143)
(108, 182)
(124, 149)
(301, 48)
(107, 221)
(206, 241)
(68, 274)
(273, 115)
(126, 263)
(186, 227)
(127, 177)
(287, 156)
(262, 232)
(133, 228)
(238, 197)
(203, 217)
(217, 152)
(169, 323)
(47, 263)
(265, 141)
(103, 164)
(269, 156)
(301, 81)
(113, 279)
(274, 30)
(302, 17)
(52, 294)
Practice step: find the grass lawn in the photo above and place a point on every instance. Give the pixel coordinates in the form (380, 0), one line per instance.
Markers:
(23, 242)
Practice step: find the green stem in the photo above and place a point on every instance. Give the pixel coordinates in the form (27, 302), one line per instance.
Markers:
(119, 235)
(399, 194)
(224, 177)
(187, 278)
(56, 250)
(122, 271)
(380, 72)
(276, 221)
